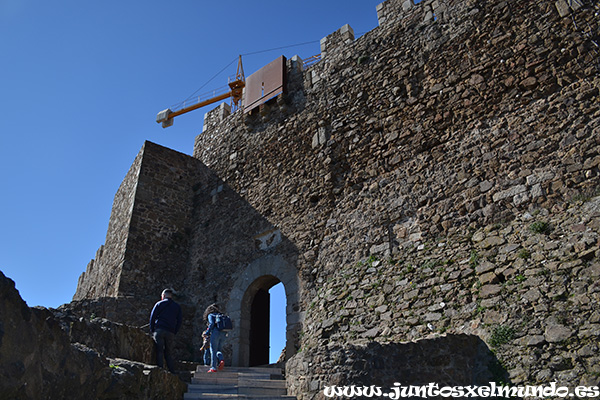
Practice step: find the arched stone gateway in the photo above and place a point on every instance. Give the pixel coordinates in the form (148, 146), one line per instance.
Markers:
(248, 292)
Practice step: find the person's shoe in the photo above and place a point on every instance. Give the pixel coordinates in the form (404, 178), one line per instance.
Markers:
(212, 370)
(221, 365)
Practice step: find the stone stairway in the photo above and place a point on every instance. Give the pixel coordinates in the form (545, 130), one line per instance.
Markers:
(259, 383)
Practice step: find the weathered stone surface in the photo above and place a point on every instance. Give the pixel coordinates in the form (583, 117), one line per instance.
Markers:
(449, 360)
(490, 290)
(488, 277)
(534, 340)
(511, 192)
(39, 361)
(484, 267)
(557, 333)
(110, 339)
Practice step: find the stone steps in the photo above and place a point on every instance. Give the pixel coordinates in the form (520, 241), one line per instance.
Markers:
(262, 383)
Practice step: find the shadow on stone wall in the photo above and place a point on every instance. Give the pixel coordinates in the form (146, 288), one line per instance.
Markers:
(446, 360)
(190, 231)
(450, 360)
(235, 246)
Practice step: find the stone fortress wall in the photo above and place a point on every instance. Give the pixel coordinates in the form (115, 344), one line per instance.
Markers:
(423, 191)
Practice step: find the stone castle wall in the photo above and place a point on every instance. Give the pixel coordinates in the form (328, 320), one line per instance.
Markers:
(183, 228)
(430, 181)
(160, 226)
(149, 229)
(452, 130)
(101, 276)
(408, 174)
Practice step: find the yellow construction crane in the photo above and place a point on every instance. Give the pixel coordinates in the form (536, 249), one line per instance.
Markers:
(237, 88)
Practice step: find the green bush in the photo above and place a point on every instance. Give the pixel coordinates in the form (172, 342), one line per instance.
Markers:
(474, 259)
(524, 254)
(362, 59)
(540, 227)
(501, 335)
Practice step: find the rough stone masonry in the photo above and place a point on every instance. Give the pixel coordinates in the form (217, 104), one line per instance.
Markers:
(427, 193)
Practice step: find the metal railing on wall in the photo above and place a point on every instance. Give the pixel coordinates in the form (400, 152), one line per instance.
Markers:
(311, 61)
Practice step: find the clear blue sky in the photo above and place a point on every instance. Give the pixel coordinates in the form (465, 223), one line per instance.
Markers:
(80, 85)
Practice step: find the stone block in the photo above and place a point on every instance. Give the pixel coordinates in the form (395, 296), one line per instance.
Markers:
(534, 340)
(383, 248)
(493, 241)
(488, 277)
(347, 32)
(541, 177)
(563, 8)
(521, 198)
(537, 191)
(556, 333)
(490, 290)
(296, 63)
(485, 266)
(428, 16)
(485, 186)
(315, 76)
(433, 316)
(511, 192)
(323, 44)
(575, 4)
(268, 240)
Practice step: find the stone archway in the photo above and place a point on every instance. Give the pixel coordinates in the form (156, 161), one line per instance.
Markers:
(261, 275)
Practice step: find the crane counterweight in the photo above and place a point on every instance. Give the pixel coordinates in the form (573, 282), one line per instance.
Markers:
(163, 117)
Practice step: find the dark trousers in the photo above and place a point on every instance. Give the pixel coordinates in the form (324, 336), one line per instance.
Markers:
(207, 357)
(164, 341)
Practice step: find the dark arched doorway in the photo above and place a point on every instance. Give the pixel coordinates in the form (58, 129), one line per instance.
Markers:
(267, 326)
(260, 316)
(260, 312)
(249, 306)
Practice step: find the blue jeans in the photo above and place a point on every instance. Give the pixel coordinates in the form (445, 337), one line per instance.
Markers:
(207, 357)
(164, 341)
(216, 347)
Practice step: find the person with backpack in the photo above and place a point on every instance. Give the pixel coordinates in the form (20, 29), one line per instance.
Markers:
(217, 336)
(165, 322)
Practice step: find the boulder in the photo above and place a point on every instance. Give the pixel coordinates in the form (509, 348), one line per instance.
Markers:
(38, 361)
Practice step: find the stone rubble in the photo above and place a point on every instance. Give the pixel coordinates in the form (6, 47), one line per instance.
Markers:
(48, 354)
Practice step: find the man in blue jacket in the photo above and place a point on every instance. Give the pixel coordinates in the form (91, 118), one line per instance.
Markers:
(165, 321)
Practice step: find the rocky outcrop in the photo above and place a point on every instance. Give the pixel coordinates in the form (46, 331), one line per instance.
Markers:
(109, 338)
(39, 361)
(448, 360)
